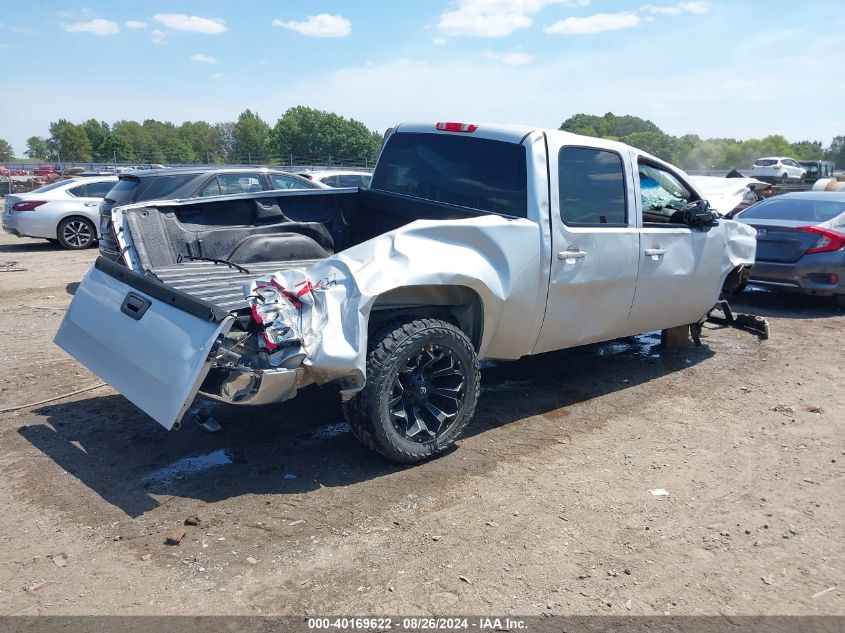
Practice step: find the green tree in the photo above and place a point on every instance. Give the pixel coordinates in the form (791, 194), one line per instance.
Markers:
(251, 138)
(176, 150)
(308, 133)
(836, 151)
(98, 133)
(807, 150)
(69, 142)
(36, 147)
(6, 153)
(116, 148)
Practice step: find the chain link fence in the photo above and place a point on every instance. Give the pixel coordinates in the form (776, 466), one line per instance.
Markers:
(24, 176)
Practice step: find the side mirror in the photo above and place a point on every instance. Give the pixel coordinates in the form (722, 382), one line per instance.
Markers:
(698, 214)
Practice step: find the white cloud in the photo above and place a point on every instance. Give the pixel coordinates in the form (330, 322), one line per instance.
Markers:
(158, 36)
(439, 41)
(97, 26)
(510, 59)
(135, 24)
(677, 9)
(494, 18)
(191, 23)
(204, 59)
(322, 25)
(598, 23)
(218, 76)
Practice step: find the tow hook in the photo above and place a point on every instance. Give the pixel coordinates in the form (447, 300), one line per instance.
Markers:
(747, 322)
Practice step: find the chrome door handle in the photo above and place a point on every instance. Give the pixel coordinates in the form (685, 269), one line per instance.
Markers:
(654, 252)
(90, 204)
(571, 254)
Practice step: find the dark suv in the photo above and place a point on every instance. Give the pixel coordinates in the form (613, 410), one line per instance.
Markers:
(177, 184)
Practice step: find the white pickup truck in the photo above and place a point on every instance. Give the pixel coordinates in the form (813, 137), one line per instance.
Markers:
(472, 242)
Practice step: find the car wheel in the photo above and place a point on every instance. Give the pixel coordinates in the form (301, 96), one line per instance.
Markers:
(784, 178)
(840, 301)
(422, 386)
(76, 233)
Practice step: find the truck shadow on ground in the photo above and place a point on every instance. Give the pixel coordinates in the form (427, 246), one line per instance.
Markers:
(789, 305)
(302, 445)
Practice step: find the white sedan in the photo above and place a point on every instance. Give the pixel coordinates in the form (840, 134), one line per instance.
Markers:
(65, 211)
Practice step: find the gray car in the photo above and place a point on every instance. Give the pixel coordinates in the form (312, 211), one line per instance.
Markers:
(189, 182)
(800, 242)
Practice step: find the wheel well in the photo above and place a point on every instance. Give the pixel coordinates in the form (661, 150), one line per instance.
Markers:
(737, 278)
(78, 217)
(458, 305)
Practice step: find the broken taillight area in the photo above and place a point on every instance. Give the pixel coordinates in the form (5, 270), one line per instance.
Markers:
(284, 315)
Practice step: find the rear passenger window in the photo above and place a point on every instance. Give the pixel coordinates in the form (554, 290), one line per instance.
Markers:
(97, 189)
(592, 187)
(239, 183)
(77, 192)
(212, 188)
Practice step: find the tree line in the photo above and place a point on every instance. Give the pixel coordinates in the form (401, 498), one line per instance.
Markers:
(692, 152)
(303, 134)
(300, 134)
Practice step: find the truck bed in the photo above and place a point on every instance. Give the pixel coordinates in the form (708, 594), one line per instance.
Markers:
(220, 284)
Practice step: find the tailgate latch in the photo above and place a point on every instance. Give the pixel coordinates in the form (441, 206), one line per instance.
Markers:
(134, 306)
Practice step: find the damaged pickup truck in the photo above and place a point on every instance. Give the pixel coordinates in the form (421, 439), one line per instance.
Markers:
(472, 242)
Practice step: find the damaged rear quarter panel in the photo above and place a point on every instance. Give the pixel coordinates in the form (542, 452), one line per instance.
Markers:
(498, 258)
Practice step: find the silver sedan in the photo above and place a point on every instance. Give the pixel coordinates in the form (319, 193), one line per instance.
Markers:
(65, 211)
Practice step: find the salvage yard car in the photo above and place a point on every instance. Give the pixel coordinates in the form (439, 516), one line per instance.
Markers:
(64, 212)
(187, 182)
(472, 242)
(800, 243)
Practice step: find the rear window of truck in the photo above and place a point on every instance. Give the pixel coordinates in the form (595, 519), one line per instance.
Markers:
(466, 171)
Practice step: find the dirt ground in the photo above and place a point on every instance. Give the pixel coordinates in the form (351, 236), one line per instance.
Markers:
(546, 505)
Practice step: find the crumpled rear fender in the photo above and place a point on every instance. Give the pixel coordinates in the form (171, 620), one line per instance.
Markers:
(497, 258)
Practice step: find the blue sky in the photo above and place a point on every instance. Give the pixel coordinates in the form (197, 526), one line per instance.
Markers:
(715, 68)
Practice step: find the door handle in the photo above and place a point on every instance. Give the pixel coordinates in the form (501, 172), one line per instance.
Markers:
(91, 204)
(654, 252)
(571, 254)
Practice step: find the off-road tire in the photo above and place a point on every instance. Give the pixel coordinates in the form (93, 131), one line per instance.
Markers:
(390, 350)
(76, 233)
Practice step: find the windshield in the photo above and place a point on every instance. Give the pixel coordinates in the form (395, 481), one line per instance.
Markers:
(798, 209)
(462, 170)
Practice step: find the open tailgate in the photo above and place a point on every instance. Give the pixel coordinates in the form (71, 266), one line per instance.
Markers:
(147, 340)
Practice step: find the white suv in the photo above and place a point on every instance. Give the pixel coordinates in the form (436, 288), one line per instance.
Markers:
(778, 168)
